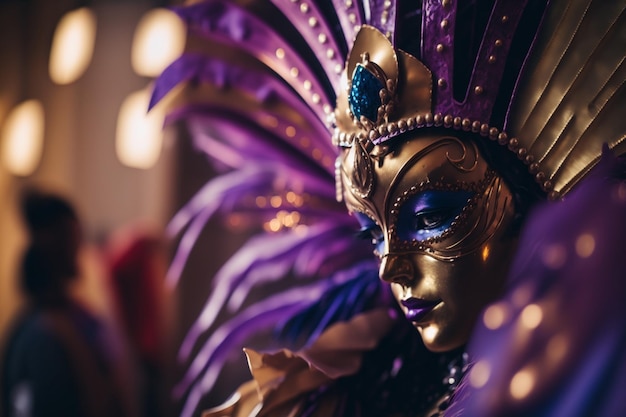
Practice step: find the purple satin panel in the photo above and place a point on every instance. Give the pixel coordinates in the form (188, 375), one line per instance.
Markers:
(489, 75)
(314, 29)
(383, 16)
(438, 55)
(350, 17)
(440, 63)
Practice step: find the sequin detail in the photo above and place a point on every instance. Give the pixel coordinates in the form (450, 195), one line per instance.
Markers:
(364, 94)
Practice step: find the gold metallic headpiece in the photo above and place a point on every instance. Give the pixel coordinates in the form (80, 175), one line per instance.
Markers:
(386, 90)
(568, 98)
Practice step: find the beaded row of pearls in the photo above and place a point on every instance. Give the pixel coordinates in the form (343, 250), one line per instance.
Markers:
(322, 37)
(384, 16)
(331, 54)
(386, 131)
(350, 9)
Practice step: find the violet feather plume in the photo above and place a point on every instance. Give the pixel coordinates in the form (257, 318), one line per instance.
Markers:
(256, 90)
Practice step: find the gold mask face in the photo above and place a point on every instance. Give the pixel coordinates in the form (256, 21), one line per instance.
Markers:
(440, 220)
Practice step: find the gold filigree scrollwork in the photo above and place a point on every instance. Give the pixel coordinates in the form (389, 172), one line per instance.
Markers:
(456, 162)
(459, 162)
(430, 245)
(362, 178)
(494, 204)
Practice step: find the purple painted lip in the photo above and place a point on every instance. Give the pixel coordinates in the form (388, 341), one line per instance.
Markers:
(418, 308)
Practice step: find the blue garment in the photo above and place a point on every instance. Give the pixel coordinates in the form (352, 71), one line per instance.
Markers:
(38, 376)
(54, 363)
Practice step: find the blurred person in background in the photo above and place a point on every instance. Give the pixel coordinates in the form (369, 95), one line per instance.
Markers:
(137, 261)
(57, 360)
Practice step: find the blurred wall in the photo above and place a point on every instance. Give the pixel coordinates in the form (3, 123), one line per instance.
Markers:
(79, 161)
(79, 157)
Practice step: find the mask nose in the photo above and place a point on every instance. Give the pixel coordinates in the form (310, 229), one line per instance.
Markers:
(397, 269)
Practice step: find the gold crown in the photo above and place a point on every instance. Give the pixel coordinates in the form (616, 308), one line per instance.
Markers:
(572, 102)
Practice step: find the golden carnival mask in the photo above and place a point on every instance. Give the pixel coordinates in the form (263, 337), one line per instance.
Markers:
(440, 220)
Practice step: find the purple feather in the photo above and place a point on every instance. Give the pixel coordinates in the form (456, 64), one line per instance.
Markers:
(257, 109)
(234, 26)
(259, 315)
(275, 249)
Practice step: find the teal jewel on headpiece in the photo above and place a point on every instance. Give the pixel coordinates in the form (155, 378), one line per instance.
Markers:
(364, 96)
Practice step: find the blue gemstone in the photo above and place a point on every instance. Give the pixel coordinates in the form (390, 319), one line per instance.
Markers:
(364, 95)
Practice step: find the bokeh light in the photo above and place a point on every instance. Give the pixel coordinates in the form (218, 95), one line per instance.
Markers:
(72, 46)
(22, 138)
(139, 134)
(159, 39)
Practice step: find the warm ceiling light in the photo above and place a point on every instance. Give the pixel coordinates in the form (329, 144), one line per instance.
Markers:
(139, 134)
(159, 40)
(22, 138)
(72, 46)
